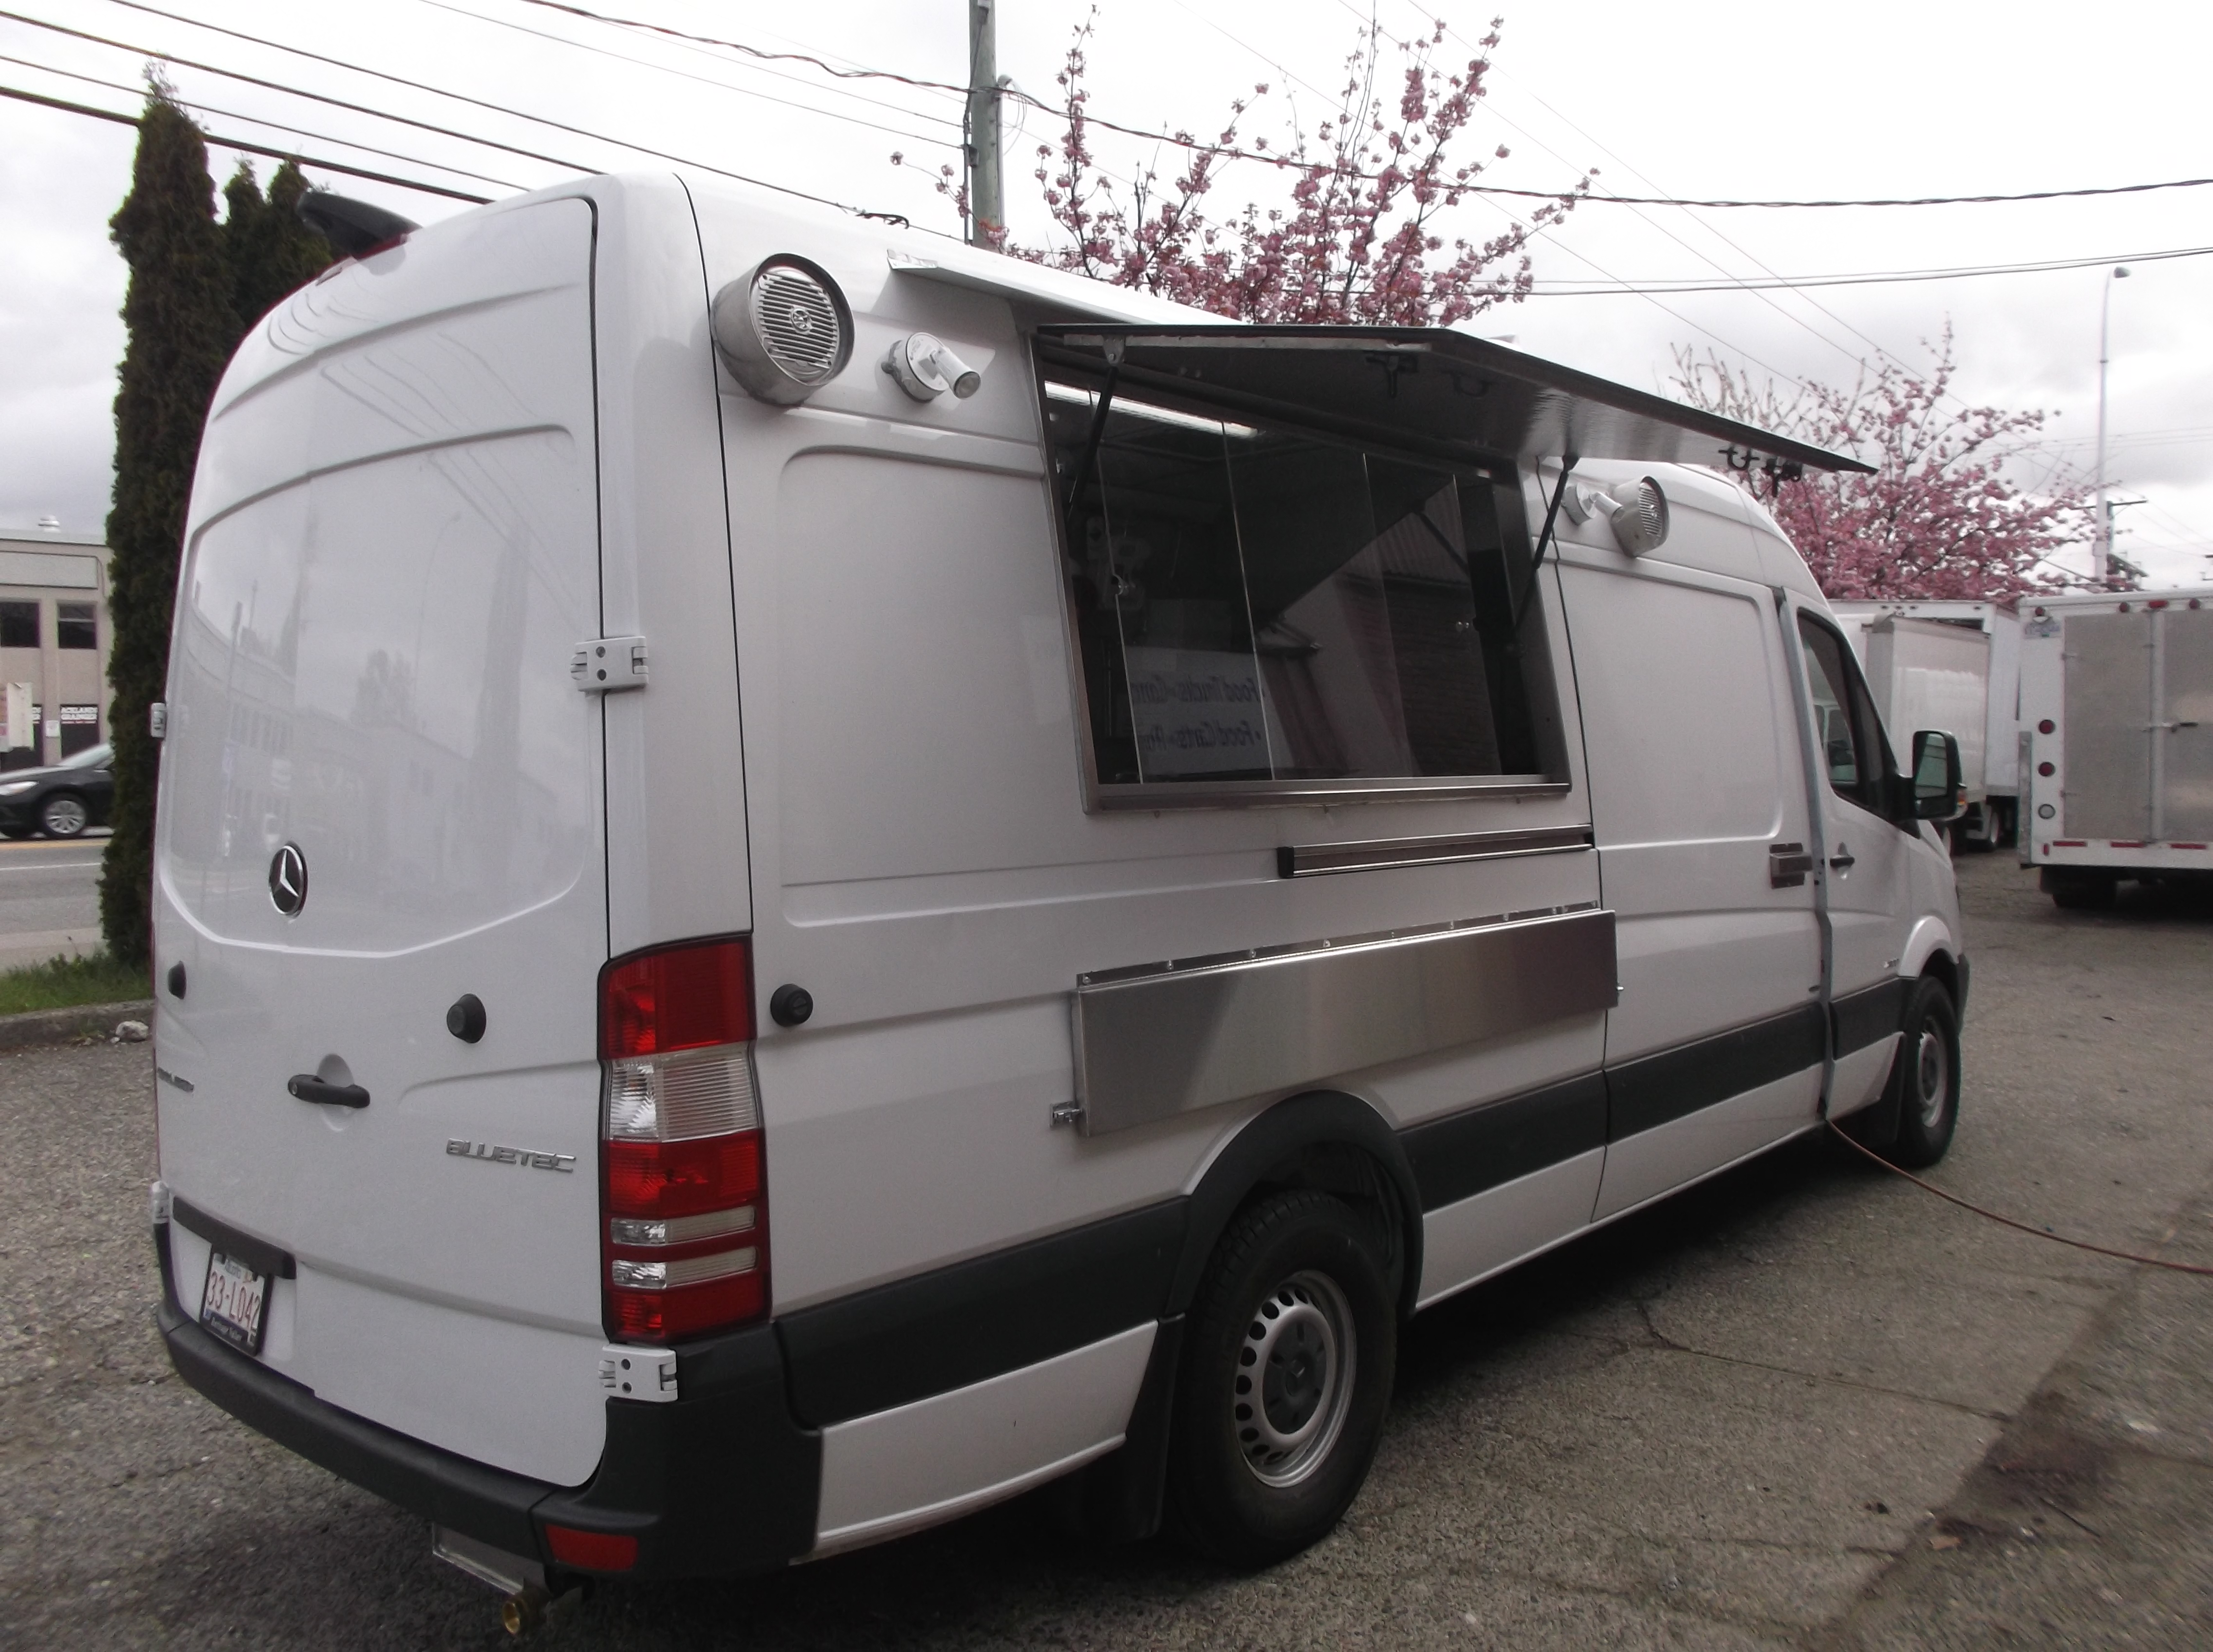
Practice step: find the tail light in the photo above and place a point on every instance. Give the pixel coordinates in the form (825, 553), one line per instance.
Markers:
(683, 1193)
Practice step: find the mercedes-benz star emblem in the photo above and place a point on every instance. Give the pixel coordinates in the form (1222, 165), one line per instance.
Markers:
(288, 880)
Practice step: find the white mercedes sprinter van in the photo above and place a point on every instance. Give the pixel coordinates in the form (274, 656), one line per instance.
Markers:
(808, 878)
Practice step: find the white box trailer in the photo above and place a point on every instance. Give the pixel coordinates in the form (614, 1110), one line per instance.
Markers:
(2117, 740)
(1919, 687)
(808, 878)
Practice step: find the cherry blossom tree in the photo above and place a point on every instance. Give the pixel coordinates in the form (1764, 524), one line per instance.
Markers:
(1943, 514)
(1358, 236)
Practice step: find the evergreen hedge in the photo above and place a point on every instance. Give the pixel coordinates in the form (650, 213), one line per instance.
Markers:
(195, 286)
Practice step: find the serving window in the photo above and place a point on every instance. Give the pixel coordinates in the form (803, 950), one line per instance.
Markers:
(1264, 610)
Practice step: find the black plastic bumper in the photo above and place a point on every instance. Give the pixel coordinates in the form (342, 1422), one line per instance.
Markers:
(721, 1481)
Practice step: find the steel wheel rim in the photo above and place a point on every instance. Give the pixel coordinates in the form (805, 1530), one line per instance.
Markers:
(1933, 1076)
(66, 815)
(1294, 1382)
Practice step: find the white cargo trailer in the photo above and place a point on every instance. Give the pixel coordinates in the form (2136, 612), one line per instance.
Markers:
(2116, 741)
(1993, 771)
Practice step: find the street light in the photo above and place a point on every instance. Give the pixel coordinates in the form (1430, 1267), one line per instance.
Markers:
(2101, 548)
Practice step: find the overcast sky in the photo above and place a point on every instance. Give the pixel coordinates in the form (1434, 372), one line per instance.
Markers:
(1803, 102)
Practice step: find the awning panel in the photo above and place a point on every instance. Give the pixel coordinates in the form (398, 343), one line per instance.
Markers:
(1428, 388)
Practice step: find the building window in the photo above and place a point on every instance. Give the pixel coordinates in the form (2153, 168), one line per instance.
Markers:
(19, 625)
(74, 626)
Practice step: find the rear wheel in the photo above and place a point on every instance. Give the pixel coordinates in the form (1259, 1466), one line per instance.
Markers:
(1287, 1369)
(1927, 1078)
(63, 815)
(2079, 891)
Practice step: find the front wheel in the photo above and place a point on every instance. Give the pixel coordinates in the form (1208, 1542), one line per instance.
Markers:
(63, 815)
(1927, 1078)
(1287, 1369)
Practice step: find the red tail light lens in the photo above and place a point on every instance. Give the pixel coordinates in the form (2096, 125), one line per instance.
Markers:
(676, 998)
(683, 1191)
(595, 1552)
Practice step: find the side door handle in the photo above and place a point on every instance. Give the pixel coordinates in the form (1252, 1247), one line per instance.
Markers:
(1843, 860)
(308, 1087)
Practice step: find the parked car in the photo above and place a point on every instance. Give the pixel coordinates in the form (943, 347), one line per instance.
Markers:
(62, 800)
(921, 876)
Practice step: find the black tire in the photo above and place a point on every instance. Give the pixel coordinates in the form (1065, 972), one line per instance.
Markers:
(63, 814)
(2079, 892)
(1287, 1360)
(1925, 1077)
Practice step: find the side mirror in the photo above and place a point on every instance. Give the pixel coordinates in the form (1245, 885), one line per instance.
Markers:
(1937, 782)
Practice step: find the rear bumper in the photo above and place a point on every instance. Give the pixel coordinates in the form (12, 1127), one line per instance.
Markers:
(721, 1481)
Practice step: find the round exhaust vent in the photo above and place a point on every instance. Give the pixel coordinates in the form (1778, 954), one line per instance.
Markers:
(784, 328)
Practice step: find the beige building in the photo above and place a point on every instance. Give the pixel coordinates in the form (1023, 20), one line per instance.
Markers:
(54, 638)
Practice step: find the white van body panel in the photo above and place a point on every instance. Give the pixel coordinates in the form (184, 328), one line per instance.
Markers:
(1466, 1242)
(918, 812)
(391, 553)
(901, 1470)
(675, 792)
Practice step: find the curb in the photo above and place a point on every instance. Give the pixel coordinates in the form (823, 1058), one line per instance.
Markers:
(37, 1026)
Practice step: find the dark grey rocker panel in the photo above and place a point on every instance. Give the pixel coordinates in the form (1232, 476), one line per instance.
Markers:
(1667, 1085)
(1871, 1015)
(1153, 1044)
(1469, 1153)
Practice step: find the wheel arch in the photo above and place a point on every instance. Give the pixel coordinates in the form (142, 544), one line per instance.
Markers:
(1322, 1139)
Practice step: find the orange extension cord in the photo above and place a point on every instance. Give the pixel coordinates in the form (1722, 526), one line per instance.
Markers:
(2008, 1221)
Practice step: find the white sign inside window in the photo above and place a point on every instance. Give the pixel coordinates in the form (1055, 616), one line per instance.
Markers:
(1197, 711)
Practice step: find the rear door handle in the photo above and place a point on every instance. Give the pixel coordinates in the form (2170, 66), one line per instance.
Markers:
(1843, 860)
(308, 1087)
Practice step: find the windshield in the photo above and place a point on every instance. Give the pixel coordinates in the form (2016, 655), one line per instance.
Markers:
(92, 757)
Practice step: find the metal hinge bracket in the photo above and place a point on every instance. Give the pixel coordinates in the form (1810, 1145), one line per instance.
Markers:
(638, 1373)
(606, 664)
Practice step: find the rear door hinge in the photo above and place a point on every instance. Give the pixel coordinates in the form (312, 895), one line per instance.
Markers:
(607, 663)
(638, 1373)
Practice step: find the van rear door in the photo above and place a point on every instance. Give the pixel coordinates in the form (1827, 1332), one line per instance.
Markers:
(382, 795)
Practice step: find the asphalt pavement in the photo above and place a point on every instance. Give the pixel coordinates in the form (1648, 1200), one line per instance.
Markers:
(49, 898)
(1803, 1404)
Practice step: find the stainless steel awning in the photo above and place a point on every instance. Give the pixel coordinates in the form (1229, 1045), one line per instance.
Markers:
(1426, 387)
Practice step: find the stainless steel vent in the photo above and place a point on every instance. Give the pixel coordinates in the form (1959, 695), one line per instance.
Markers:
(784, 329)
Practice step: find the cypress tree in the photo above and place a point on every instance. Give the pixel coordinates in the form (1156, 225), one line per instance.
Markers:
(180, 322)
(269, 251)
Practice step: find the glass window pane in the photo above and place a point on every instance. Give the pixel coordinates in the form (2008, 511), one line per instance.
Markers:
(1825, 672)
(19, 625)
(74, 626)
(1257, 604)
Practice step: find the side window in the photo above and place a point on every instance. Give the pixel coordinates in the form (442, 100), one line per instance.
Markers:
(74, 626)
(1261, 604)
(19, 625)
(1853, 747)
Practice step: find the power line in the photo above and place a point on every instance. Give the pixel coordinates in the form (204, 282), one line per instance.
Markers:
(418, 86)
(1232, 153)
(1876, 278)
(245, 148)
(686, 73)
(261, 120)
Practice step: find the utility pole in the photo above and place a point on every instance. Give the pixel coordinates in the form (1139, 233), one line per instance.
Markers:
(2101, 544)
(987, 205)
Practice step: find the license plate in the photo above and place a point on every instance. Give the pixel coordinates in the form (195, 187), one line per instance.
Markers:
(235, 1302)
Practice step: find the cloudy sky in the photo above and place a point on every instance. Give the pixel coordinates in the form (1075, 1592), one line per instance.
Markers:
(1804, 102)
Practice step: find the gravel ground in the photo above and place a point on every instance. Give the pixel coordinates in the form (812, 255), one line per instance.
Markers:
(1802, 1405)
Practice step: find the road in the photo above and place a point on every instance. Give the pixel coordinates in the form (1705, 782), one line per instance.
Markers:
(49, 898)
(1804, 1405)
